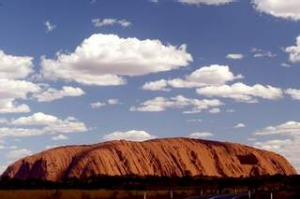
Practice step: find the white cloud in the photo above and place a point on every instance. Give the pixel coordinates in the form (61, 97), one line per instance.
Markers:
(15, 67)
(159, 85)
(98, 105)
(214, 110)
(273, 145)
(20, 132)
(153, 1)
(285, 65)
(60, 137)
(51, 123)
(159, 104)
(18, 153)
(234, 56)
(260, 53)
(50, 146)
(129, 135)
(51, 94)
(36, 119)
(11, 106)
(110, 22)
(16, 89)
(288, 9)
(12, 69)
(240, 125)
(3, 168)
(294, 51)
(290, 128)
(294, 93)
(49, 26)
(198, 135)
(242, 93)
(11, 90)
(69, 125)
(113, 101)
(103, 59)
(206, 75)
(206, 2)
(287, 146)
(213, 75)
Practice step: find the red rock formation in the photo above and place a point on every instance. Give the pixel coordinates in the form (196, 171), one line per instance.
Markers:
(159, 157)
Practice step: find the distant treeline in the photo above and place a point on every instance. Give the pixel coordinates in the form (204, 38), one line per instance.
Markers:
(153, 182)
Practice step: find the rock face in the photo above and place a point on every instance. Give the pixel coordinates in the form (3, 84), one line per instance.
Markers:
(158, 157)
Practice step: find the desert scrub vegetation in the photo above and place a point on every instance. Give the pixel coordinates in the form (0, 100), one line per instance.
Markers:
(92, 194)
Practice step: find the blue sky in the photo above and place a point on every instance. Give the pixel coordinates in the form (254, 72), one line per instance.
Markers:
(81, 72)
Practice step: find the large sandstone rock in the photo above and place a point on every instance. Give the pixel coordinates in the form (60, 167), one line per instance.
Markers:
(158, 157)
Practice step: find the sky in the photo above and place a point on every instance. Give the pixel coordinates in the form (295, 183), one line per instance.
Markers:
(88, 71)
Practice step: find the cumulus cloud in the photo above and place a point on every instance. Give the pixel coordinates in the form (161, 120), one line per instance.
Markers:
(213, 75)
(110, 22)
(242, 93)
(240, 125)
(20, 132)
(18, 153)
(15, 67)
(111, 102)
(104, 59)
(160, 85)
(16, 89)
(160, 104)
(36, 119)
(234, 56)
(51, 123)
(291, 128)
(294, 93)
(286, 146)
(206, 2)
(132, 135)
(60, 137)
(98, 105)
(214, 110)
(40, 124)
(198, 135)
(50, 146)
(11, 106)
(207, 75)
(51, 94)
(283, 9)
(11, 90)
(49, 26)
(294, 51)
